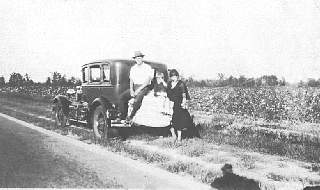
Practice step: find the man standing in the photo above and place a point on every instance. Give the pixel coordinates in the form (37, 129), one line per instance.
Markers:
(141, 75)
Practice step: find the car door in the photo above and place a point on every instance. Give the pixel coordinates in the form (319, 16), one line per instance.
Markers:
(93, 87)
(107, 88)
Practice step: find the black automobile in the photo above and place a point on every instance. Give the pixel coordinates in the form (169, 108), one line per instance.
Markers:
(95, 103)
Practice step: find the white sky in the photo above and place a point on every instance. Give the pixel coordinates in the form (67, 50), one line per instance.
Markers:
(200, 38)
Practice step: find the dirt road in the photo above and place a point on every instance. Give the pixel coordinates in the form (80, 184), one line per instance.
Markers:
(34, 157)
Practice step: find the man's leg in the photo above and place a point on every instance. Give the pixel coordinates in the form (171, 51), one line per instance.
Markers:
(138, 101)
(123, 104)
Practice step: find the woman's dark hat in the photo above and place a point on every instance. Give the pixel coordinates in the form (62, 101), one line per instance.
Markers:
(137, 54)
(173, 72)
(227, 167)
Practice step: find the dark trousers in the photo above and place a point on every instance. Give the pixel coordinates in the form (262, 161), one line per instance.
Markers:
(125, 97)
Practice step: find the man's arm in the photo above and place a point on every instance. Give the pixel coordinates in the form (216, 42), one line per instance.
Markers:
(131, 88)
(131, 83)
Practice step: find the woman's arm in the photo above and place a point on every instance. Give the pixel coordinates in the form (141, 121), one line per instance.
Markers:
(186, 91)
(185, 95)
(169, 91)
(163, 82)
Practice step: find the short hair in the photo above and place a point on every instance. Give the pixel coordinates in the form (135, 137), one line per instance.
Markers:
(227, 167)
(173, 72)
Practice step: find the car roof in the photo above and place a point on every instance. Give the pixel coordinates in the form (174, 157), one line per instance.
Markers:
(153, 64)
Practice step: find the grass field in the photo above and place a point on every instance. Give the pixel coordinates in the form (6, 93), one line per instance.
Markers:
(261, 150)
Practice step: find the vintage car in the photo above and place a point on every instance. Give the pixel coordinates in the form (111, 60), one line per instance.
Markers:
(95, 103)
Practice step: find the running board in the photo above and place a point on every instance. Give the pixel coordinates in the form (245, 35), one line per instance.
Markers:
(115, 123)
(79, 121)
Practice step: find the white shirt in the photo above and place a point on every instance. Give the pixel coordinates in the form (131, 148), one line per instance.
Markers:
(140, 73)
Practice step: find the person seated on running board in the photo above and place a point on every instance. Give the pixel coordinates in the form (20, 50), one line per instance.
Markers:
(141, 75)
(160, 86)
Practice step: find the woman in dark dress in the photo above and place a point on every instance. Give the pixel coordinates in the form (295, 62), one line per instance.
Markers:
(178, 93)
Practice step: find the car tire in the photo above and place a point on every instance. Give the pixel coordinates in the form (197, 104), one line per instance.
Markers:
(100, 123)
(60, 116)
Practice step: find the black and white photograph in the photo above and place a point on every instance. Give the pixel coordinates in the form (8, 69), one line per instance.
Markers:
(160, 94)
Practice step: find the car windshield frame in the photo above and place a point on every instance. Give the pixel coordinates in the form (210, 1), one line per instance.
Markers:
(95, 66)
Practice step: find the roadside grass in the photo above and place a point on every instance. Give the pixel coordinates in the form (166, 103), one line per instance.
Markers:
(205, 167)
(297, 146)
(35, 108)
(199, 158)
(26, 98)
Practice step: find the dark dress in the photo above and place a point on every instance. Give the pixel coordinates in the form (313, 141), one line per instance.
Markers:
(181, 119)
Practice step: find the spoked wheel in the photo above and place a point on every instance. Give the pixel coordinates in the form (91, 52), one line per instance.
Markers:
(60, 116)
(100, 123)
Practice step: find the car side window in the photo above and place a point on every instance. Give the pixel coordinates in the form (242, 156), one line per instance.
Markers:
(106, 73)
(85, 75)
(95, 73)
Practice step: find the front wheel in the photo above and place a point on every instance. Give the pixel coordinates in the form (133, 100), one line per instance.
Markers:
(100, 122)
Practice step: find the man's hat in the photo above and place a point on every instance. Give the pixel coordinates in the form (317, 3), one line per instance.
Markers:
(137, 54)
(227, 168)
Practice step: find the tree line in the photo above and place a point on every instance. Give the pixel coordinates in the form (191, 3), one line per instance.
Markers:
(241, 81)
(56, 79)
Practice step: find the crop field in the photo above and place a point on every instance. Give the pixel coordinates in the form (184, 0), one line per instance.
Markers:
(269, 103)
(267, 134)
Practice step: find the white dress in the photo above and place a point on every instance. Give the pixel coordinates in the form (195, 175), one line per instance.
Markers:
(155, 111)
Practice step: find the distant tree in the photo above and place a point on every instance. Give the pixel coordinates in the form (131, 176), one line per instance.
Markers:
(313, 83)
(56, 78)
(230, 81)
(282, 82)
(250, 82)
(72, 81)
(242, 80)
(270, 80)
(301, 84)
(258, 82)
(220, 76)
(203, 83)
(26, 77)
(48, 81)
(190, 81)
(27, 80)
(78, 82)
(2, 81)
(63, 81)
(235, 82)
(16, 79)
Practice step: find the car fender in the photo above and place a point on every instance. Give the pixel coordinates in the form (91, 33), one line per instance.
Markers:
(63, 101)
(99, 101)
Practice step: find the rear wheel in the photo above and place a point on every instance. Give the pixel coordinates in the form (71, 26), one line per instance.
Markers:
(60, 116)
(100, 123)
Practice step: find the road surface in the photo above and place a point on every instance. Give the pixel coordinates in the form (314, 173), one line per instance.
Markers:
(36, 158)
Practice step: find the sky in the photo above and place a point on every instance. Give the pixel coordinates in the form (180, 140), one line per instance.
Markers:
(199, 38)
